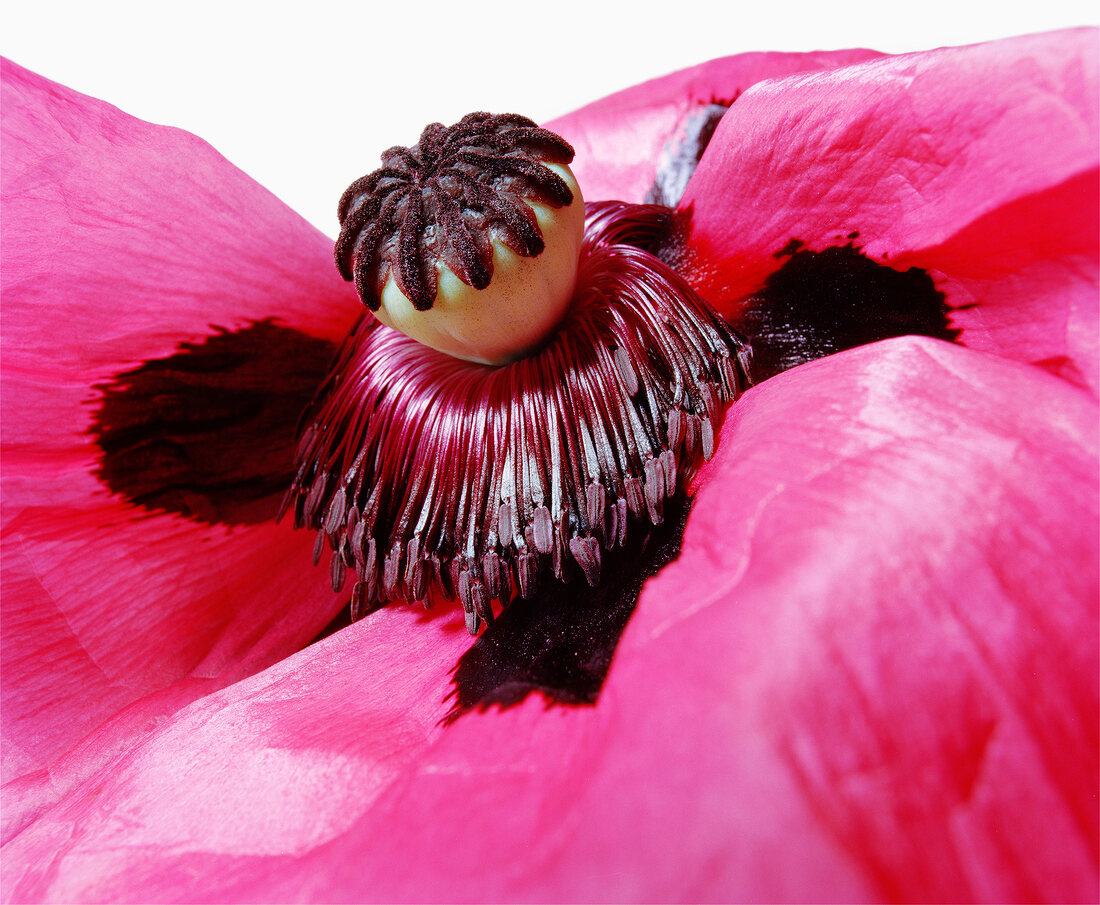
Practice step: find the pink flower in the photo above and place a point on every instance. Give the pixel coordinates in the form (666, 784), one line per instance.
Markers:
(871, 674)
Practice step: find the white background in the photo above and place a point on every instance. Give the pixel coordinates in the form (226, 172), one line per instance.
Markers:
(305, 96)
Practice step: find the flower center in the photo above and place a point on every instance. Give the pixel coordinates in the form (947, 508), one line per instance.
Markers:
(468, 240)
(431, 476)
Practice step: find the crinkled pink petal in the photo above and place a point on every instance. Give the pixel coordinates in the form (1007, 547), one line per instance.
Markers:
(619, 139)
(122, 240)
(293, 773)
(978, 164)
(872, 674)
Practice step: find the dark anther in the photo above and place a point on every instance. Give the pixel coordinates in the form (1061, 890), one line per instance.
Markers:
(579, 445)
(560, 643)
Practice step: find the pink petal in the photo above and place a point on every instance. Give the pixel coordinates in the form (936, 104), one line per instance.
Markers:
(276, 749)
(619, 139)
(121, 240)
(872, 674)
(976, 163)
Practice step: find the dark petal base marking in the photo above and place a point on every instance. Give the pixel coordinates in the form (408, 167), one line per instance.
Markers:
(818, 303)
(431, 476)
(209, 432)
(821, 302)
(560, 643)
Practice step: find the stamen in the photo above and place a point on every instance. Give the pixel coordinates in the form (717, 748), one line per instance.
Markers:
(476, 480)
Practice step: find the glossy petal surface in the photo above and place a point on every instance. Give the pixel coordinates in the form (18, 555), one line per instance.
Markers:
(874, 662)
(873, 665)
(619, 139)
(121, 241)
(977, 163)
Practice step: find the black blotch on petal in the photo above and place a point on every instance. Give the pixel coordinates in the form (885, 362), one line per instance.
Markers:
(561, 641)
(821, 302)
(209, 433)
(789, 249)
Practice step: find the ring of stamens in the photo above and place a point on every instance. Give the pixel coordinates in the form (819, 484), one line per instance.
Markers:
(427, 475)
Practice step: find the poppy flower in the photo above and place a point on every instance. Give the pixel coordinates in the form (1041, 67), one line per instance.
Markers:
(871, 672)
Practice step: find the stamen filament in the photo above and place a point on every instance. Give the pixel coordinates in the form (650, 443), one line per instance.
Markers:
(433, 476)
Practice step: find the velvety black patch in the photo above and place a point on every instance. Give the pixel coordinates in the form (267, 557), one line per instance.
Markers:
(210, 432)
(789, 249)
(821, 302)
(561, 641)
(682, 153)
